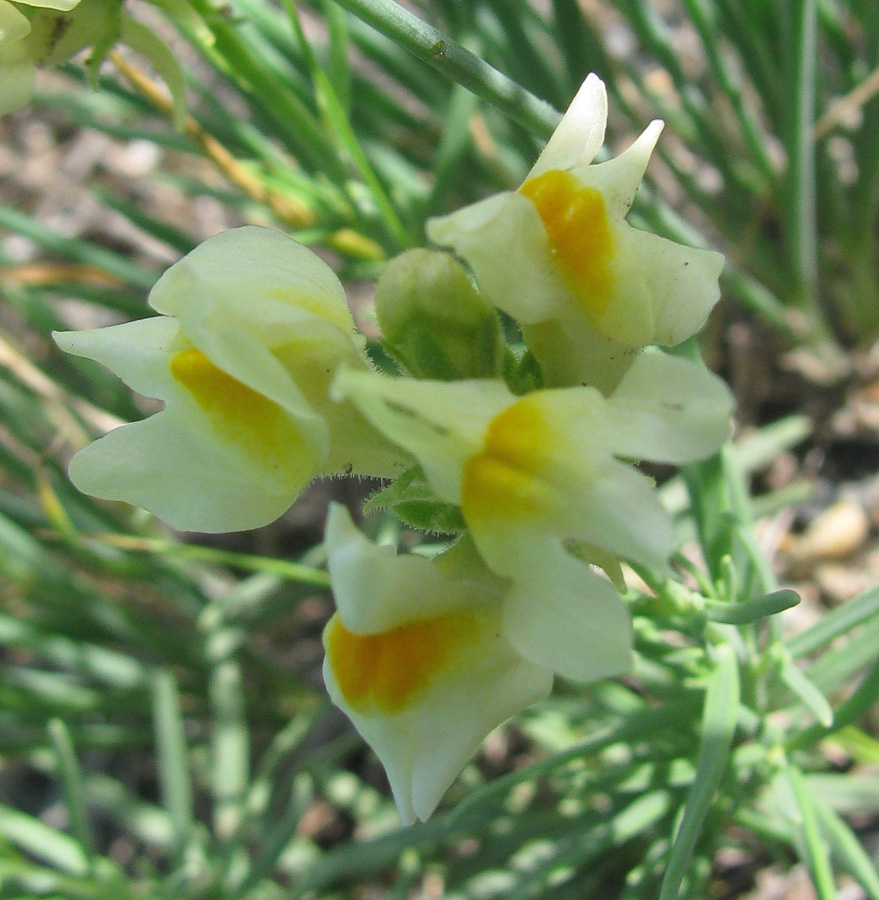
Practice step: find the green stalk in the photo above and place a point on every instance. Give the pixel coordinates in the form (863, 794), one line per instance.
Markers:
(71, 782)
(175, 780)
(800, 212)
(440, 51)
(813, 847)
(718, 729)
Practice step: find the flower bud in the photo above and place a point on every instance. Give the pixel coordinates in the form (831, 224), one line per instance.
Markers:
(434, 320)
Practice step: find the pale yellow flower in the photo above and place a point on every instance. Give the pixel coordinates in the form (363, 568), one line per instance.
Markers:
(588, 289)
(531, 473)
(426, 657)
(253, 327)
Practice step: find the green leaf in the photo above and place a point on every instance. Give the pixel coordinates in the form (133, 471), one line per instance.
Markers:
(808, 693)
(834, 624)
(71, 780)
(812, 845)
(718, 728)
(45, 843)
(750, 611)
(846, 848)
(411, 498)
(173, 759)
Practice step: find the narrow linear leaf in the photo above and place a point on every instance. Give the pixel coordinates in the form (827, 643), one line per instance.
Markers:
(809, 694)
(440, 51)
(832, 625)
(43, 842)
(71, 781)
(813, 846)
(718, 729)
(173, 758)
(846, 848)
(850, 710)
(752, 610)
(230, 747)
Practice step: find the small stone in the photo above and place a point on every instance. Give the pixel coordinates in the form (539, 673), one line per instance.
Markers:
(835, 533)
(840, 582)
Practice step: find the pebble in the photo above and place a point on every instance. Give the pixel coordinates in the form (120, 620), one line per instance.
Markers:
(835, 533)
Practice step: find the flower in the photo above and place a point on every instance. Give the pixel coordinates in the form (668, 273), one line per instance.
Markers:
(253, 327)
(532, 473)
(588, 289)
(426, 657)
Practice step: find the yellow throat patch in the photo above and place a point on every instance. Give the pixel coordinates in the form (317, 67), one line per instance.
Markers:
(575, 218)
(240, 415)
(506, 479)
(388, 671)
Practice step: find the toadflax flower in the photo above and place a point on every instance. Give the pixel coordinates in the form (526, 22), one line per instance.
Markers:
(533, 472)
(253, 327)
(588, 289)
(426, 657)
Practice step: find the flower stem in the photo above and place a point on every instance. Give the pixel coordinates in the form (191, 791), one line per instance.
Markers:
(438, 50)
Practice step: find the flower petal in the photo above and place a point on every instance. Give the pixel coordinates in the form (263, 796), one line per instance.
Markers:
(13, 25)
(61, 5)
(669, 409)
(137, 352)
(619, 178)
(683, 282)
(571, 352)
(546, 473)
(270, 313)
(377, 590)
(17, 70)
(580, 134)
(183, 474)
(425, 744)
(253, 273)
(440, 423)
(570, 620)
(254, 365)
(505, 244)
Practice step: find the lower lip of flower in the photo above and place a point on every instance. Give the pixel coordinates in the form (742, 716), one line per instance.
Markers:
(390, 670)
(505, 480)
(240, 415)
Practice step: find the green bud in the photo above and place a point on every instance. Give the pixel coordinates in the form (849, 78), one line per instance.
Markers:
(434, 320)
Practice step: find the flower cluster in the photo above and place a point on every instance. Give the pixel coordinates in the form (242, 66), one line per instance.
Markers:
(528, 455)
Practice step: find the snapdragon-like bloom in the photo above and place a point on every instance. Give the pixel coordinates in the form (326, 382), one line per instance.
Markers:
(252, 328)
(588, 289)
(426, 657)
(531, 473)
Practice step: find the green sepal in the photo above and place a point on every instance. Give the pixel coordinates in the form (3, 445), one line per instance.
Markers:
(522, 374)
(412, 500)
(57, 35)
